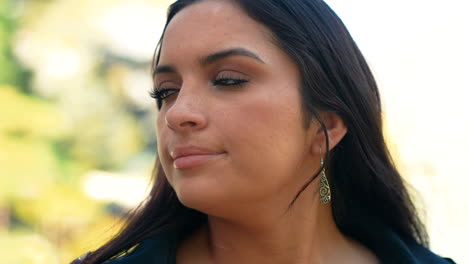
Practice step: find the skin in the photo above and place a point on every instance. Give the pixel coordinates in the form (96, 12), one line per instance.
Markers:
(267, 154)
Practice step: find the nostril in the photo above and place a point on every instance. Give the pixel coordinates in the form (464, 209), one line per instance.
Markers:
(188, 123)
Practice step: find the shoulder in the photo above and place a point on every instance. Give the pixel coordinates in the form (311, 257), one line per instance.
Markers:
(390, 247)
(158, 249)
(424, 255)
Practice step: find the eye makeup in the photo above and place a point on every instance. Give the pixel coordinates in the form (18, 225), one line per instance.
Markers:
(229, 79)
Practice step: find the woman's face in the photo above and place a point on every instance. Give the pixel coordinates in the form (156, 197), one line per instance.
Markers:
(230, 129)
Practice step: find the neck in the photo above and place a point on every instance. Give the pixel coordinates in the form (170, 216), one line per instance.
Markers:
(306, 233)
(290, 238)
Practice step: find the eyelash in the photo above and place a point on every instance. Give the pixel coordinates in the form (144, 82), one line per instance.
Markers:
(161, 94)
(224, 81)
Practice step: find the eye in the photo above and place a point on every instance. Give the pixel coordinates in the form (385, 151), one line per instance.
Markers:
(161, 95)
(229, 80)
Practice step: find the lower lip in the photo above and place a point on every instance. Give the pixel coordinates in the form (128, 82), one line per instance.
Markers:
(193, 161)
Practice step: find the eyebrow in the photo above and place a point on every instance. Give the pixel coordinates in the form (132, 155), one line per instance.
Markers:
(229, 53)
(212, 58)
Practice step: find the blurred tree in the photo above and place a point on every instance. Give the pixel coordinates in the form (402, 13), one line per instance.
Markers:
(82, 110)
(27, 249)
(28, 163)
(11, 72)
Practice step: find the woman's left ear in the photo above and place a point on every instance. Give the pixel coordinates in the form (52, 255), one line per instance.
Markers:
(336, 130)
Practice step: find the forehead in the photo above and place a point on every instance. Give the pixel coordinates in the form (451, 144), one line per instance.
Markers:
(212, 25)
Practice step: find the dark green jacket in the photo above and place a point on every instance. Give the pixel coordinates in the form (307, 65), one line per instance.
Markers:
(386, 245)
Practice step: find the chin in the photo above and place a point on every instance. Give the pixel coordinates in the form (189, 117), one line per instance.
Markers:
(201, 196)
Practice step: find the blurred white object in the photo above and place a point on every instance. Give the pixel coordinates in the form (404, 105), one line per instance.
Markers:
(126, 190)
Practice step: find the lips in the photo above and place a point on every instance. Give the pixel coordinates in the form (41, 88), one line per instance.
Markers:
(188, 157)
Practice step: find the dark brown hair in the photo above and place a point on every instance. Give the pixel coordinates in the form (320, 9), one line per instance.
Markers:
(367, 188)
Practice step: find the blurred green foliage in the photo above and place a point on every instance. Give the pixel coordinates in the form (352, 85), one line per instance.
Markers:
(27, 248)
(56, 127)
(11, 72)
(27, 141)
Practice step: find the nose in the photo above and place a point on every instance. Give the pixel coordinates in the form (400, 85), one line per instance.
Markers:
(185, 114)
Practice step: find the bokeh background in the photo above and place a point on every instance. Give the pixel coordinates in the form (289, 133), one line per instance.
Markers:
(77, 138)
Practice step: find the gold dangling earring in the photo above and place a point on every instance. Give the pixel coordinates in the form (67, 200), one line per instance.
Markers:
(325, 193)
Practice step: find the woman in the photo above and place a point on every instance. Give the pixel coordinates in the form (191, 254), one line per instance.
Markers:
(270, 146)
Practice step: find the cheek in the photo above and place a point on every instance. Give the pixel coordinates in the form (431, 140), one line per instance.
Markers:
(162, 141)
(160, 135)
(267, 141)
